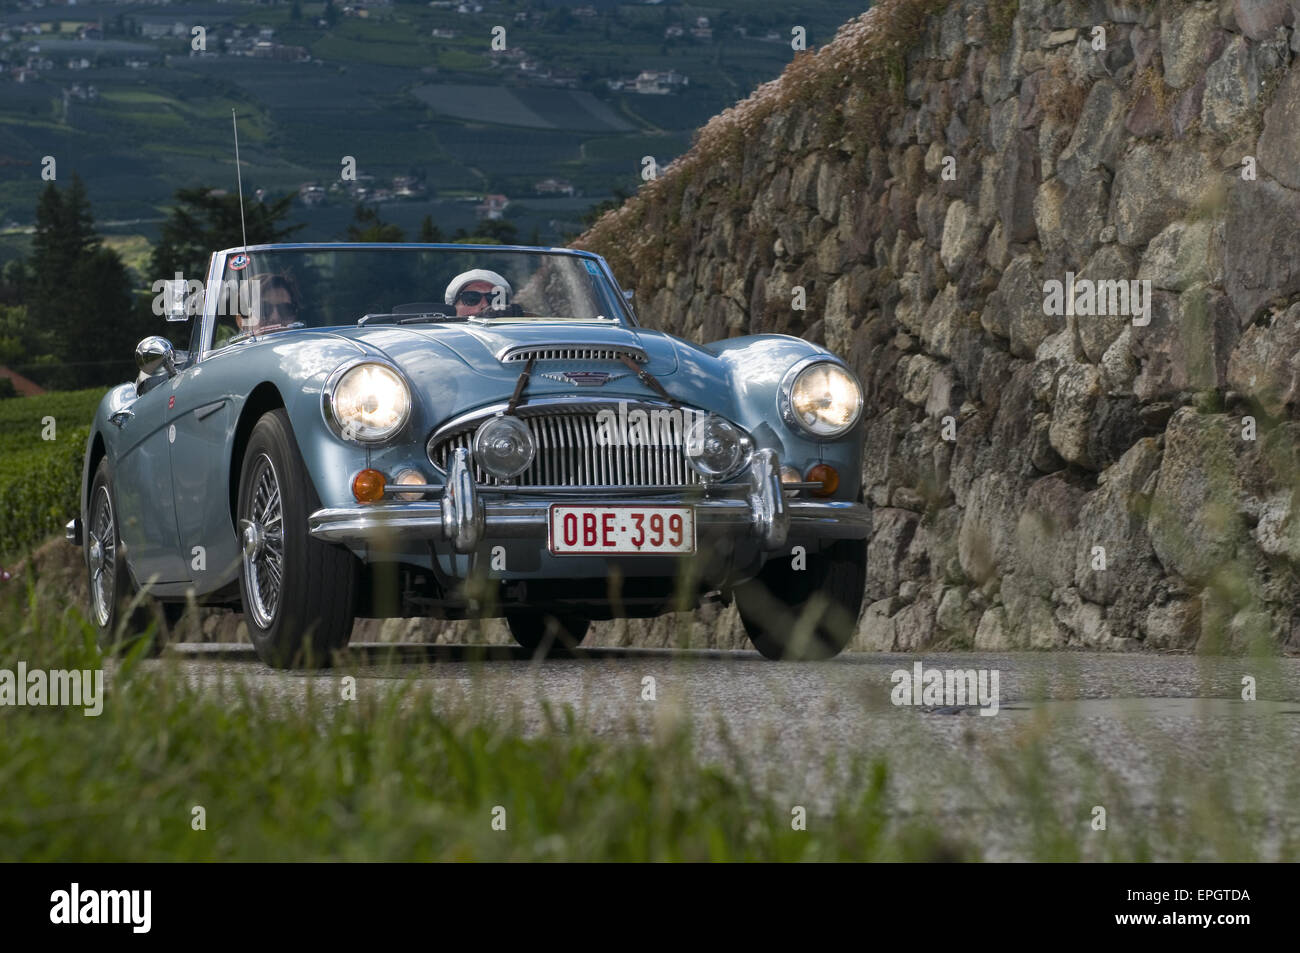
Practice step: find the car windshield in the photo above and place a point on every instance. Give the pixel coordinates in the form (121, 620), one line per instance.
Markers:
(267, 290)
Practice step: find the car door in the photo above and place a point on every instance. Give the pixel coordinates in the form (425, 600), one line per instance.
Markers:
(201, 413)
(142, 486)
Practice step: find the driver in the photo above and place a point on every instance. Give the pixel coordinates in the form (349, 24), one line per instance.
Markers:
(475, 292)
(274, 307)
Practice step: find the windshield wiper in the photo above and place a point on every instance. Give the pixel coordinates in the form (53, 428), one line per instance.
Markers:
(406, 318)
(262, 332)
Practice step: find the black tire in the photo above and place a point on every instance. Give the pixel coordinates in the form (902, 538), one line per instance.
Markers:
(122, 616)
(544, 634)
(805, 614)
(298, 593)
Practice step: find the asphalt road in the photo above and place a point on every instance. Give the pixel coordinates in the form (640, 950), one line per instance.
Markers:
(1141, 735)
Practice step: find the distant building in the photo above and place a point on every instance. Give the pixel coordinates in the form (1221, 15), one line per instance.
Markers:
(492, 207)
(553, 187)
(407, 187)
(311, 193)
(22, 386)
(656, 83)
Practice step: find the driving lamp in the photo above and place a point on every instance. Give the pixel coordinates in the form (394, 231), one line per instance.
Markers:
(503, 446)
(713, 447)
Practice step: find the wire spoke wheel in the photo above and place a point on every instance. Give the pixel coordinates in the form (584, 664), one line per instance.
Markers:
(102, 557)
(263, 543)
(298, 593)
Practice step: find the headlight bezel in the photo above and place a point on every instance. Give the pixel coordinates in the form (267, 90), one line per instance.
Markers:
(339, 427)
(785, 396)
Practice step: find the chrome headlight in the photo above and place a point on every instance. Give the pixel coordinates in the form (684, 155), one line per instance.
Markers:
(714, 447)
(367, 401)
(503, 446)
(821, 397)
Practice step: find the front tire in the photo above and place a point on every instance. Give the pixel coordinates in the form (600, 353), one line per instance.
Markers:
(120, 615)
(298, 593)
(810, 613)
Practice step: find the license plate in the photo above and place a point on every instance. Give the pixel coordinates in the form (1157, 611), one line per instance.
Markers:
(621, 529)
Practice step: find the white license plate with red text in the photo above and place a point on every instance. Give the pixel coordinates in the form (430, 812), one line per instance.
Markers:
(621, 529)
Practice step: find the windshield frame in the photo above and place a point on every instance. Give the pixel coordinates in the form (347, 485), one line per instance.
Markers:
(217, 267)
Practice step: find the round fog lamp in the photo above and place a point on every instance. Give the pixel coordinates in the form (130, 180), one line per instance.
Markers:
(790, 475)
(713, 447)
(503, 446)
(410, 478)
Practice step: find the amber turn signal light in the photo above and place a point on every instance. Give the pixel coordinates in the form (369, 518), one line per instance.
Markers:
(368, 486)
(825, 475)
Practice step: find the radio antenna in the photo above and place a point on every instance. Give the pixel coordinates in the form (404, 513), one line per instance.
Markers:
(239, 177)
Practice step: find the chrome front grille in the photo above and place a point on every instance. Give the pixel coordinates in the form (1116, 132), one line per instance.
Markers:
(520, 355)
(569, 452)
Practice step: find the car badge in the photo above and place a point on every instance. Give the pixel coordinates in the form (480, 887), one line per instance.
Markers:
(238, 262)
(584, 378)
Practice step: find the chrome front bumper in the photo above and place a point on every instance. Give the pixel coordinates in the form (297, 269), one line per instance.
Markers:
(465, 518)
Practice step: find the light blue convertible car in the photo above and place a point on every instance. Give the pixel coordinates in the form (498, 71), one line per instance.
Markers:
(465, 431)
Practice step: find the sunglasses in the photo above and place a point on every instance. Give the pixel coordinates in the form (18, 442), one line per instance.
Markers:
(284, 308)
(472, 298)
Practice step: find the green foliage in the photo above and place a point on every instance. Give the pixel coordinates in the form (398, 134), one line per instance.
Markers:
(78, 297)
(489, 231)
(40, 479)
(205, 220)
(429, 232)
(367, 226)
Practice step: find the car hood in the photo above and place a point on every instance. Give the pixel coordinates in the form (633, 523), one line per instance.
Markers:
(481, 346)
(454, 368)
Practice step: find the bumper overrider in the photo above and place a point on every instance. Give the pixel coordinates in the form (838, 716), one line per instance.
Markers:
(468, 513)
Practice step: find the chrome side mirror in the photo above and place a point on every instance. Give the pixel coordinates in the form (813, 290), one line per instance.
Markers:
(155, 352)
(628, 295)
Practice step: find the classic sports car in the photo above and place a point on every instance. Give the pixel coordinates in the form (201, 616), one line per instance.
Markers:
(467, 431)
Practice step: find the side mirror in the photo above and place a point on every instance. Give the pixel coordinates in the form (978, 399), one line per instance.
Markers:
(155, 352)
(627, 296)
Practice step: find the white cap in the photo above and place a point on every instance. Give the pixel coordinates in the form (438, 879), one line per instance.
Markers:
(477, 274)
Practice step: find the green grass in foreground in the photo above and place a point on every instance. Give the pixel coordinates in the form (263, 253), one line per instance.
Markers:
(414, 773)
